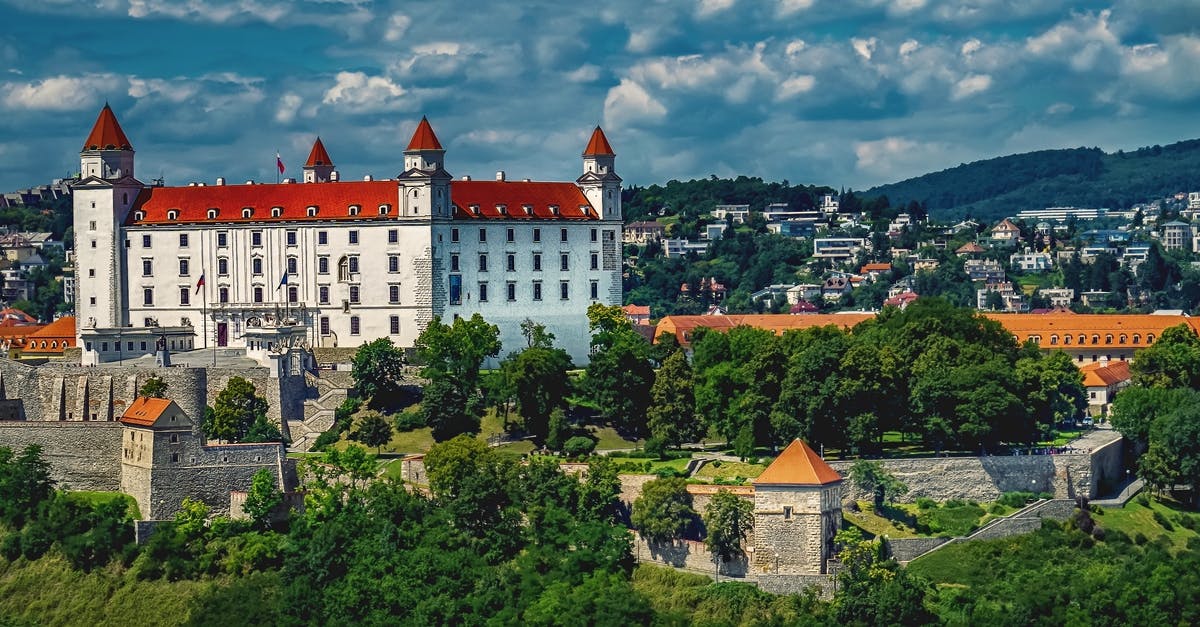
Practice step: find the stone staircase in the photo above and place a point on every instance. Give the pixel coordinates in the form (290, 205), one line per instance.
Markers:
(325, 394)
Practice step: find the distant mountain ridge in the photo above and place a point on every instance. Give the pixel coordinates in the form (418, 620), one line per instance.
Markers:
(1081, 177)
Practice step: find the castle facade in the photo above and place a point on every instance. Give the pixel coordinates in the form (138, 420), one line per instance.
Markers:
(328, 262)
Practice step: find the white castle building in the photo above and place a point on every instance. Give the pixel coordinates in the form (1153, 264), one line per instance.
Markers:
(327, 262)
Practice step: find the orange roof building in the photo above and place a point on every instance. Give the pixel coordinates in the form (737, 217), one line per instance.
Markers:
(146, 412)
(798, 464)
(1103, 381)
(106, 133)
(51, 340)
(683, 327)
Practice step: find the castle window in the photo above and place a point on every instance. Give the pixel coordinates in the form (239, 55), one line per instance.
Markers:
(174, 437)
(276, 212)
(1054, 340)
(1137, 338)
(1124, 339)
(344, 269)
(537, 290)
(354, 294)
(145, 241)
(139, 215)
(537, 235)
(212, 214)
(787, 512)
(512, 291)
(322, 265)
(554, 209)
(147, 298)
(183, 240)
(474, 210)
(223, 294)
(482, 235)
(1095, 339)
(564, 262)
(593, 235)
(247, 212)
(256, 238)
(354, 325)
(258, 294)
(528, 209)
(354, 265)
(1067, 340)
(293, 294)
(394, 325)
(222, 239)
(454, 263)
(393, 263)
(354, 210)
(562, 235)
(393, 236)
(454, 235)
(184, 267)
(323, 294)
(512, 262)
(564, 290)
(311, 211)
(595, 261)
(1149, 338)
(483, 292)
(324, 325)
(510, 235)
(185, 296)
(352, 237)
(222, 266)
(292, 265)
(147, 267)
(393, 293)
(173, 214)
(1108, 338)
(537, 262)
(290, 237)
(256, 265)
(483, 263)
(384, 209)
(595, 290)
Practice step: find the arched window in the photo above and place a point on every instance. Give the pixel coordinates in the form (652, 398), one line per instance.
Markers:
(1149, 338)
(212, 214)
(1137, 338)
(354, 209)
(312, 211)
(173, 214)
(247, 212)
(1095, 339)
(1036, 339)
(1124, 339)
(344, 269)
(139, 215)
(1108, 338)
(276, 212)
(1054, 340)
(1067, 340)
(384, 209)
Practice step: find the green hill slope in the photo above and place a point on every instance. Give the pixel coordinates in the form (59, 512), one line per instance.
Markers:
(1083, 177)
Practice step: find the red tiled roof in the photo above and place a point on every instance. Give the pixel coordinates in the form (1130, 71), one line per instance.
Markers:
(803, 306)
(798, 465)
(876, 267)
(63, 327)
(969, 247)
(901, 298)
(106, 133)
(598, 145)
(514, 196)
(142, 412)
(318, 156)
(332, 200)
(423, 138)
(636, 310)
(1097, 374)
(11, 317)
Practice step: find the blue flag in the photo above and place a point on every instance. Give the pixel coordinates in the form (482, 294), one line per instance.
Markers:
(282, 281)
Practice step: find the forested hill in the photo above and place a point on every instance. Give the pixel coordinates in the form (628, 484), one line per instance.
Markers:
(1082, 177)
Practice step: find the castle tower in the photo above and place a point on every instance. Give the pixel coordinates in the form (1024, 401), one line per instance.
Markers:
(319, 167)
(424, 184)
(103, 196)
(797, 511)
(157, 437)
(599, 181)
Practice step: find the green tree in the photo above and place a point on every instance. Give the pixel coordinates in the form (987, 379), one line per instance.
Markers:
(728, 520)
(873, 590)
(373, 430)
(1172, 361)
(619, 377)
(237, 409)
(671, 416)
(262, 499)
(538, 376)
(377, 368)
(25, 484)
(663, 511)
(452, 355)
(872, 477)
(154, 387)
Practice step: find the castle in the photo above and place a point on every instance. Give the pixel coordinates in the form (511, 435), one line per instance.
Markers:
(326, 262)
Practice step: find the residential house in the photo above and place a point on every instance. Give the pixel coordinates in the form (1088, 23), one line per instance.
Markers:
(1011, 299)
(804, 307)
(804, 291)
(1029, 261)
(873, 271)
(901, 300)
(713, 232)
(793, 228)
(1103, 379)
(637, 314)
(738, 214)
(681, 247)
(835, 287)
(642, 232)
(970, 249)
(51, 340)
(924, 264)
(839, 249)
(984, 270)
(1058, 297)
(1006, 234)
(1176, 235)
(715, 289)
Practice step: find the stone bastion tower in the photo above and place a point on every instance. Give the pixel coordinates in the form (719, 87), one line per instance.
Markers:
(797, 511)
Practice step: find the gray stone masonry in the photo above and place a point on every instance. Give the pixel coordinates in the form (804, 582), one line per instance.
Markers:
(686, 554)
(907, 549)
(82, 455)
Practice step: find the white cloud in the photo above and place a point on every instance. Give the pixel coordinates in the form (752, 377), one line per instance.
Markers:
(794, 47)
(397, 25)
(630, 102)
(641, 40)
(289, 105)
(878, 154)
(1060, 108)
(795, 86)
(586, 73)
(864, 47)
(970, 47)
(708, 8)
(60, 93)
(908, 47)
(358, 93)
(970, 85)
(788, 7)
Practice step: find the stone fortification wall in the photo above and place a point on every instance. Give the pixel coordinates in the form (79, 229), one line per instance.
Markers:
(688, 554)
(212, 474)
(82, 455)
(334, 355)
(906, 549)
(985, 478)
(1108, 468)
(796, 584)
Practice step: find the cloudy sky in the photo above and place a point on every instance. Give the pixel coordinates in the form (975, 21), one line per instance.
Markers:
(839, 92)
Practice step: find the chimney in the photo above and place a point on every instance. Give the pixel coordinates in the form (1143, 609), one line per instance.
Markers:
(192, 184)
(249, 181)
(368, 178)
(220, 180)
(500, 175)
(335, 176)
(466, 177)
(1104, 361)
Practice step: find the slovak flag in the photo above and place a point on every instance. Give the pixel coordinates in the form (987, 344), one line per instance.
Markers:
(282, 281)
(200, 283)
(279, 163)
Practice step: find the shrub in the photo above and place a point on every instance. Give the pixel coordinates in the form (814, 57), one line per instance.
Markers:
(343, 413)
(924, 502)
(656, 447)
(666, 472)
(1143, 499)
(953, 503)
(997, 509)
(325, 440)
(852, 506)
(1187, 522)
(1016, 499)
(1045, 495)
(716, 463)
(409, 419)
(1099, 533)
(1162, 521)
(579, 446)
(1140, 538)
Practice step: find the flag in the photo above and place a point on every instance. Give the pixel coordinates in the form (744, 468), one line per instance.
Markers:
(279, 163)
(282, 281)
(200, 283)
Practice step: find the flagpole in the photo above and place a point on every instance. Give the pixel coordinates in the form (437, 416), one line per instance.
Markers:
(277, 166)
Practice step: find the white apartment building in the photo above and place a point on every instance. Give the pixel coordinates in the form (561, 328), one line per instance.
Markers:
(338, 263)
(839, 248)
(1030, 261)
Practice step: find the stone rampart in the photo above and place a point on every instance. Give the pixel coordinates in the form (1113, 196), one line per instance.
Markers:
(985, 478)
(210, 473)
(82, 455)
(688, 554)
(906, 549)
(796, 584)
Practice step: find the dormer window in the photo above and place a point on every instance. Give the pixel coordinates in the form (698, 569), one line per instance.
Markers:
(384, 209)
(276, 212)
(247, 212)
(212, 214)
(139, 215)
(354, 209)
(172, 214)
(474, 210)
(554, 209)
(528, 209)
(312, 211)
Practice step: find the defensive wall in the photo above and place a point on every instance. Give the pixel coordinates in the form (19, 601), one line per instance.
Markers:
(1066, 476)
(82, 455)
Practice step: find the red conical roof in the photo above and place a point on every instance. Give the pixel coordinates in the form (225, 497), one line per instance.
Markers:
(798, 465)
(423, 138)
(318, 156)
(598, 145)
(107, 133)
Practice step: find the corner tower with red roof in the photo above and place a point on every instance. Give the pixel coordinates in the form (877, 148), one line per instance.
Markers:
(319, 167)
(599, 180)
(797, 511)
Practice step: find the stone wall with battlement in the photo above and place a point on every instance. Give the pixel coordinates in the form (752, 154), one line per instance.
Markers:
(82, 455)
(689, 554)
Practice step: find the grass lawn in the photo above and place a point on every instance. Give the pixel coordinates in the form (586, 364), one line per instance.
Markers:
(1137, 518)
(97, 498)
(876, 525)
(729, 470)
(608, 439)
(906, 520)
(636, 466)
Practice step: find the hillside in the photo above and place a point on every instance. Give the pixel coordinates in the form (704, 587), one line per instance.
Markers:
(1085, 177)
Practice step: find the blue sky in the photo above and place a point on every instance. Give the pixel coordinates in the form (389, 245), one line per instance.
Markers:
(845, 93)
